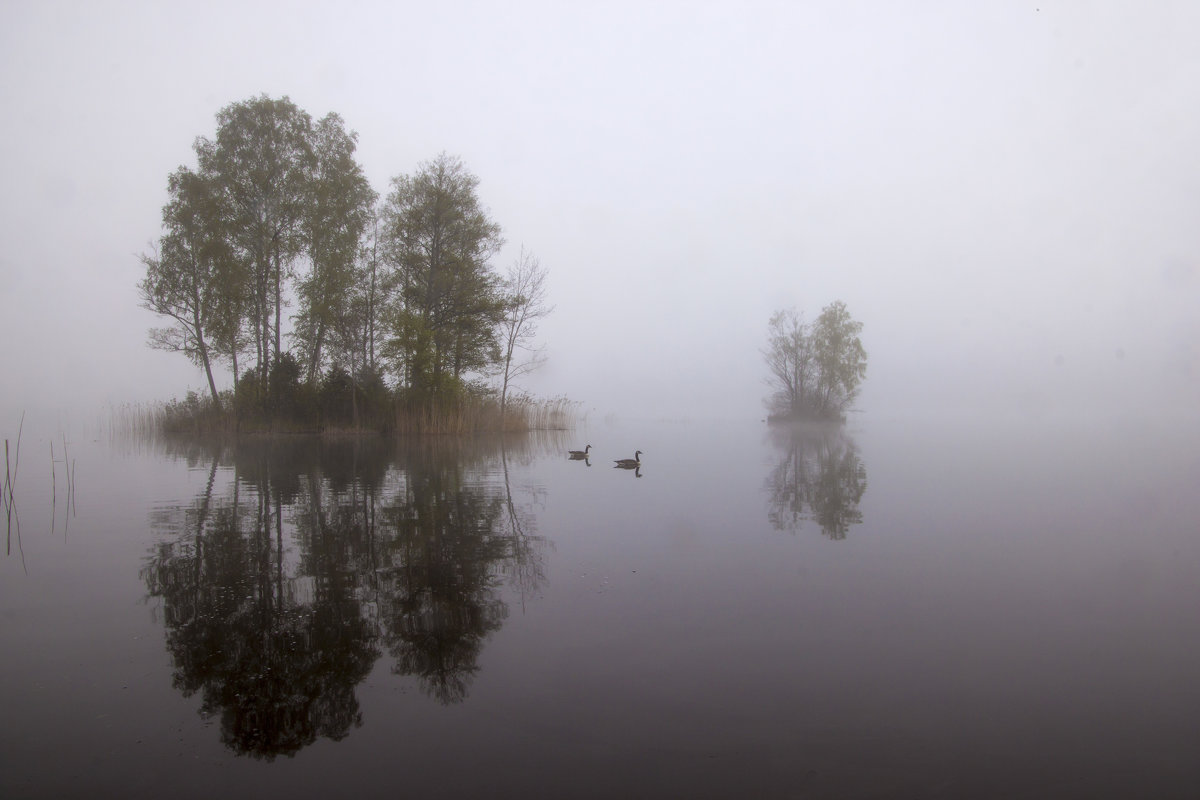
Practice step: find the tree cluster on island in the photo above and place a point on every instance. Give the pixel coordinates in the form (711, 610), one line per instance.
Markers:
(399, 311)
(815, 370)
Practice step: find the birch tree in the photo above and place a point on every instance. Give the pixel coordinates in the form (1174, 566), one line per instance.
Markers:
(262, 160)
(339, 201)
(186, 278)
(526, 306)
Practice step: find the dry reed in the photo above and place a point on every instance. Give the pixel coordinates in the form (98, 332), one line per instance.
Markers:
(482, 415)
(11, 466)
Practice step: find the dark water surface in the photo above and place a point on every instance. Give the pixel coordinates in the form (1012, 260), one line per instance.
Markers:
(899, 609)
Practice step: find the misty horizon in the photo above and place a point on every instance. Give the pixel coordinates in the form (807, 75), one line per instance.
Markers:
(999, 194)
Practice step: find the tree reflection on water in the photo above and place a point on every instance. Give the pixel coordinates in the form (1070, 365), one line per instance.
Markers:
(302, 561)
(820, 477)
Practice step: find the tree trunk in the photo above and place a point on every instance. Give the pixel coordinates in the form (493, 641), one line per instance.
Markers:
(197, 324)
(212, 386)
(353, 394)
(371, 317)
(278, 299)
(314, 363)
(504, 385)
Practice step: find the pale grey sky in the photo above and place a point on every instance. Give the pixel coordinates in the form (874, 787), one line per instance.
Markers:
(1006, 194)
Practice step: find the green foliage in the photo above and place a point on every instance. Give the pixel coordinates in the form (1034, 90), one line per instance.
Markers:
(336, 220)
(263, 162)
(278, 212)
(185, 282)
(336, 398)
(250, 395)
(841, 358)
(285, 393)
(437, 240)
(375, 398)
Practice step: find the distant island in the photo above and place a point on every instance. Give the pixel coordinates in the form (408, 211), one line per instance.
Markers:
(815, 371)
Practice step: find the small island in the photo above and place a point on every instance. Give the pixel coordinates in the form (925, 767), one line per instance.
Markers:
(815, 371)
(401, 322)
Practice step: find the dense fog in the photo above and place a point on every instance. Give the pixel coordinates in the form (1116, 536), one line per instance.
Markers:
(1004, 194)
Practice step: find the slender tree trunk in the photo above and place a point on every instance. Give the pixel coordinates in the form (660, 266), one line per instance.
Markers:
(314, 369)
(504, 385)
(371, 315)
(259, 353)
(212, 385)
(354, 392)
(262, 327)
(200, 343)
(278, 299)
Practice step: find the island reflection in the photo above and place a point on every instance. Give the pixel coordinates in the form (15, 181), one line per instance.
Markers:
(302, 561)
(820, 478)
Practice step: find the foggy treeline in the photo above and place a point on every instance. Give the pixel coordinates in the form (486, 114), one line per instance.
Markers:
(397, 314)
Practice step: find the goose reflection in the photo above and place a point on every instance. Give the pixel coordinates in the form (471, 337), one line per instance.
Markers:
(820, 478)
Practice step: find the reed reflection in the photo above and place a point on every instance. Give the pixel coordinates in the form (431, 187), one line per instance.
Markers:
(820, 478)
(301, 562)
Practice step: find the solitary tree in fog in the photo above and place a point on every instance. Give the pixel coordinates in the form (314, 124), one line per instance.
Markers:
(815, 370)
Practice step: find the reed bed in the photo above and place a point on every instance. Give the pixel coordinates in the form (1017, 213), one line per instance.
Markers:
(553, 414)
(144, 421)
(482, 415)
(470, 415)
(135, 420)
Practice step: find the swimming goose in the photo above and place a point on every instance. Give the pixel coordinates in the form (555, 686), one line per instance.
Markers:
(579, 453)
(630, 463)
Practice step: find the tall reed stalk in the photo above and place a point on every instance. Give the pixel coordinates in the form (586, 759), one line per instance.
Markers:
(69, 467)
(11, 466)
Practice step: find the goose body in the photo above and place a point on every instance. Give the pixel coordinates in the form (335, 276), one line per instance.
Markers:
(579, 453)
(630, 463)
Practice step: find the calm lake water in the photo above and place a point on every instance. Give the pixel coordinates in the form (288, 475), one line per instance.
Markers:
(896, 609)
